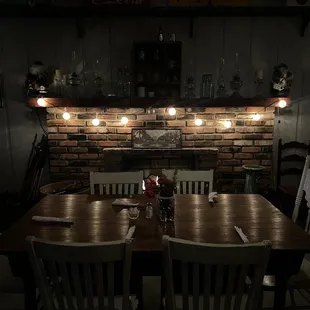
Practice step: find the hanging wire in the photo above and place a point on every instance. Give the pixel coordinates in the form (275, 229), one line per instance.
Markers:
(40, 122)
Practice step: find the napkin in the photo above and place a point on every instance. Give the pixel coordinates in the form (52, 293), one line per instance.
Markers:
(243, 237)
(49, 219)
(130, 233)
(212, 195)
(122, 202)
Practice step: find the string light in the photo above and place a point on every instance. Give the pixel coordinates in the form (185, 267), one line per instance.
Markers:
(95, 121)
(198, 122)
(66, 116)
(256, 117)
(227, 124)
(124, 120)
(41, 102)
(282, 104)
(172, 111)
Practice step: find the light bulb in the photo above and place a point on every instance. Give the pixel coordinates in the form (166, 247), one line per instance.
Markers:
(198, 122)
(282, 103)
(256, 117)
(95, 122)
(227, 124)
(66, 116)
(172, 111)
(124, 120)
(41, 102)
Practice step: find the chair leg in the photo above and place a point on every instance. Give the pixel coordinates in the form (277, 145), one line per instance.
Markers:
(261, 300)
(162, 292)
(292, 296)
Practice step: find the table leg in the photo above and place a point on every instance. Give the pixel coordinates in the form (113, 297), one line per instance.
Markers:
(30, 298)
(140, 293)
(280, 292)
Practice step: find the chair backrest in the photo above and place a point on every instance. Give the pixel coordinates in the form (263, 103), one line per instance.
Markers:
(304, 186)
(78, 276)
(116, 183)
(291, 157)
(192, 182)
(225, 268)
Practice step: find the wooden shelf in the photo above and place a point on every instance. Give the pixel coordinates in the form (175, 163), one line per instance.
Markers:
(24, 10)
(157, 102)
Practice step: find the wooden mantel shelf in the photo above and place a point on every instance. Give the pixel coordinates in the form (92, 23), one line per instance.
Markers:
(232, 101)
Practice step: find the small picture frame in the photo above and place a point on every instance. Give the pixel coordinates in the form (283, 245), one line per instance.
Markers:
(152, 138)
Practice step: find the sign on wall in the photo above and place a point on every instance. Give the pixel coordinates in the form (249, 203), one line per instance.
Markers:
(209, 2)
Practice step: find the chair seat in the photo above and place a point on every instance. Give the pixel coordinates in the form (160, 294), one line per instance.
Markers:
(300, 280)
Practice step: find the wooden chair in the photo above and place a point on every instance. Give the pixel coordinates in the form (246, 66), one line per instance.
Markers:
(201, 264)
(291, 158)
(301, 281)
(192, 182)
(304, 186)
(116, 183)
(78, 276)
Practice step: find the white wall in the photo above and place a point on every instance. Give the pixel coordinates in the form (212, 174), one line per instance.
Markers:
(261, 43)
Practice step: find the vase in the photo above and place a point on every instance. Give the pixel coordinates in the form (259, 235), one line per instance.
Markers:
(166, 208)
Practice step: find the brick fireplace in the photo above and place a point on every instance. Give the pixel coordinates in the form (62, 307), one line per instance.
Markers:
(77, 147)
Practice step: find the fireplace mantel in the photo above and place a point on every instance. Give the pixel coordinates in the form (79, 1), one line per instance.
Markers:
(202, 150)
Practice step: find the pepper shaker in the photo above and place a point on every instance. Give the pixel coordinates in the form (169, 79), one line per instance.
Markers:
(149, 210)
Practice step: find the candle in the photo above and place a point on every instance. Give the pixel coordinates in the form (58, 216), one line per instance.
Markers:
(259, 74)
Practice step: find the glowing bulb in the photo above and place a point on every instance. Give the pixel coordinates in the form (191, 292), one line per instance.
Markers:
(124, 120)
(282, 103)
(66, 116)
(227, 124)
(172, 111)
(95, 122)
(41, 102)
(198, 122)
(256, 117)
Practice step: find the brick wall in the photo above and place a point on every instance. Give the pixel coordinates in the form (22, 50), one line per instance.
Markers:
(76, 146)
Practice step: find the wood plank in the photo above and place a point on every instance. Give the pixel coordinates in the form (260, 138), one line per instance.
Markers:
(264, 49)
(237, 36)
(291, 54)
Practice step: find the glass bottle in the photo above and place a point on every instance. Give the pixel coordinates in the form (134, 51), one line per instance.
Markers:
(126, 83)
(160, 35)
(207, 86)
(74, 80)
(120, 84)
(98, 79)
(236, 82)
(221, 90)
(190, 87)
(149, 210)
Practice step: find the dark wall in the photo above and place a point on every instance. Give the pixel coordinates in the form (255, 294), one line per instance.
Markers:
(261, 43)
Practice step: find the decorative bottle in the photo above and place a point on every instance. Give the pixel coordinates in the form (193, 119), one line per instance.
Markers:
(236, 83)
(221, 90)
(126, 83)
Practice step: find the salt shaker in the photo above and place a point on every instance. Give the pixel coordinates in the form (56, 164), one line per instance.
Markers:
(149, 210)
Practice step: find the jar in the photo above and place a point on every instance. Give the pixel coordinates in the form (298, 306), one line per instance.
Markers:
(207, 86)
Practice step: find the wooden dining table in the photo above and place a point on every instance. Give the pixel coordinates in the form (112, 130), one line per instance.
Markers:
(95, 219)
